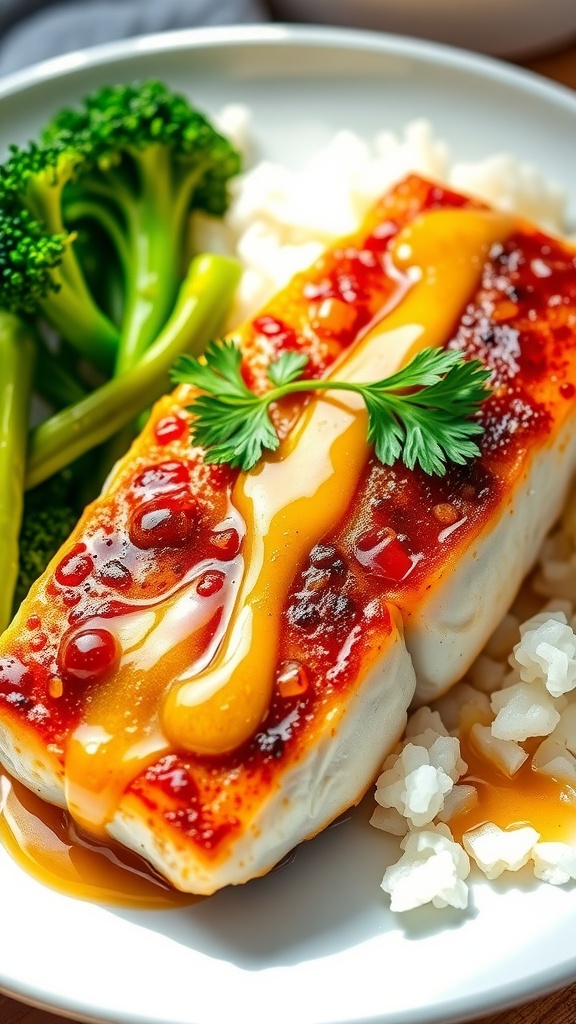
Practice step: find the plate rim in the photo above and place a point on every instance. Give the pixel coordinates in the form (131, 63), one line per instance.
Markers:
(286, 34)
(507, 994)
(457, 1010)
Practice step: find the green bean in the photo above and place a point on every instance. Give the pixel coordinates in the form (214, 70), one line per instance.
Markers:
(17, 356)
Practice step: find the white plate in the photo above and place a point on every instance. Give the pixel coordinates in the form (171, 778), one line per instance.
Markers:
(312, 943)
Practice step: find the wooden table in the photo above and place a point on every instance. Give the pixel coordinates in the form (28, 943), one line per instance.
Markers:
(560, 1007)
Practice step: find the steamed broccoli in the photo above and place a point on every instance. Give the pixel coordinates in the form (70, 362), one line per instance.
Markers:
(133, 160)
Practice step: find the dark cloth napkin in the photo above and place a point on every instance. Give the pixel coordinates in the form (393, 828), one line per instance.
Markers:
(32, 30)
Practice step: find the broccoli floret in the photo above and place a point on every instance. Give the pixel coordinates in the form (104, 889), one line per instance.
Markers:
(49, 518)
(127, 121)
(134, 160)
(148, 160)
(39, 271)
(28, 258)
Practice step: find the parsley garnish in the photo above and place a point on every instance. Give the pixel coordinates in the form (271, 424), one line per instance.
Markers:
(421, 414)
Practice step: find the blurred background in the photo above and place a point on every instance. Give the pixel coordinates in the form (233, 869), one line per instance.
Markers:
(32, 30)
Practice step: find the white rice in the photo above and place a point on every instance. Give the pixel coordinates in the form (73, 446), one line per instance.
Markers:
(280, 220)
(537, 699)
(523, 684)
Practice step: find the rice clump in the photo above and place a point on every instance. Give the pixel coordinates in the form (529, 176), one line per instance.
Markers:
(535, 700)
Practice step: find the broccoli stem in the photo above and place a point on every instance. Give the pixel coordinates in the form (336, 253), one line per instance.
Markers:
(53, 381)
(150, 255)
(203, 301)
(151, 289)
(156, 226)
(71, 308)
(76, 317)
(146, 225)
(17, 354)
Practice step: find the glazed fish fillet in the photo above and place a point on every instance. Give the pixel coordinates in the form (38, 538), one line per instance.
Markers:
(216, 664)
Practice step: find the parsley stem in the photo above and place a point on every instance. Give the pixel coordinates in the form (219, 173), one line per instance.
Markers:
(312, 385)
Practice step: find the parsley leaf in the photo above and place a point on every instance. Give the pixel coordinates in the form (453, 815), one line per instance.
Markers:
(422, 414)
(287, 368)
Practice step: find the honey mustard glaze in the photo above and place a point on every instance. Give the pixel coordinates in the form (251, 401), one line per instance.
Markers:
(293, 498)
(527, 798)
(121, 733)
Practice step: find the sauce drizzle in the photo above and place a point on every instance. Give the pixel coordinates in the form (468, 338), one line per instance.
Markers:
(47, 844)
